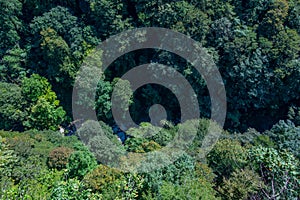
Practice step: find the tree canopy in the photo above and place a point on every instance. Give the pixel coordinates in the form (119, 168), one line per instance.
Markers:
(45, 153)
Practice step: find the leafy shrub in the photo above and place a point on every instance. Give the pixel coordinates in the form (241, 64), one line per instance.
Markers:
(135, 145)
(240, 185)
(22, 145)
(8, 159)
(102, 177)
(31, 188)
(140, 145)
(286, 136)
(199, 135)
(112, 183)
(150, 146)
(132, 186)
(162, 136)
(227, 156)
(203, 171)
(55, 137)
(190, 189)
(81, 162)
(58, 158)
(278, 169)
(72, 189)
(173, 172)
(264, 140)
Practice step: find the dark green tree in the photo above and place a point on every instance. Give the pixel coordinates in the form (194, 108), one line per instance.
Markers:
(286, 136)
(11, 25)
(81, 162)
(109, 17)
(12, 68)
(11, 107)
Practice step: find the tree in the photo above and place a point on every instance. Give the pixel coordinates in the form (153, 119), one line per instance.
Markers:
(99, 138)
(11, 24)
(274, 19)
(249, 64)
(226, 157)
(103, 100)
(79, 37)
(147, 131)
(293, 19)
(191, 189)
(12, 68)
(61, 43)
(72, 189)
(58, 158)
(37, 7)
(121, 97)
(42, 106)
(28, 176)
(175, 172)
(221, 32)
(59, 19)
(253, 11)
(45, 115)
(103, 178)
(286, 47)
(34, 87)
(286, 136)
(81, 162)
(195, 185)
(241, 184)
(11, 107)
(180, 16)
(56, 58)
(108, 17)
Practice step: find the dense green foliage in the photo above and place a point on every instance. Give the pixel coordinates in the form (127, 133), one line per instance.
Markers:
(48, 165)
(31, 105)
(256, 47)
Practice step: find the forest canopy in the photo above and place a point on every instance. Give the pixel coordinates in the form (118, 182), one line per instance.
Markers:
(255, 45)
